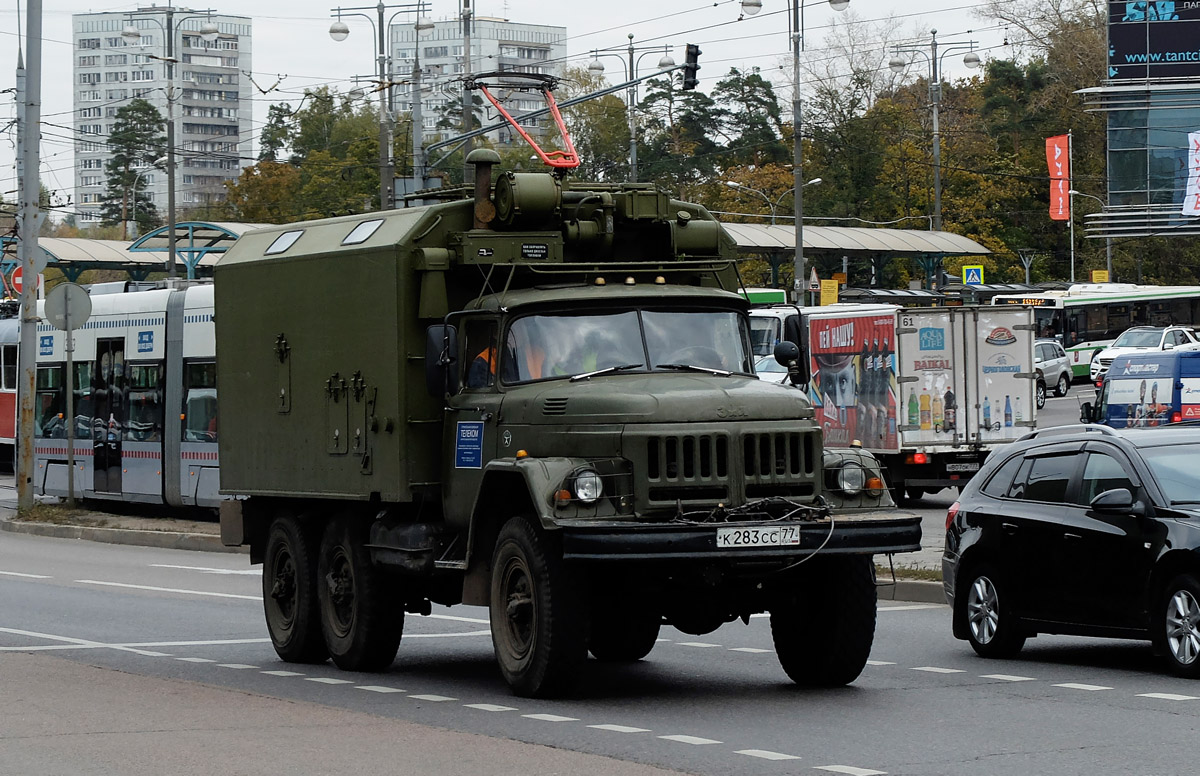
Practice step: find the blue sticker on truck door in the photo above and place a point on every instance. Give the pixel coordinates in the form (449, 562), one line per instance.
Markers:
(468, 445)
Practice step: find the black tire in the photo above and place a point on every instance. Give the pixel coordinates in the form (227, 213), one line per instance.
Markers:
(823, 635)
(538, 626)
(1063, 386)
(622, 633)
(361, 622)
(289, 583)
(1178, 626)
(984, 605)
(914, 494)
(1039, 394)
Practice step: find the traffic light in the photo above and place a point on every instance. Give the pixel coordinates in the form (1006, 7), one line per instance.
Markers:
(690, 67)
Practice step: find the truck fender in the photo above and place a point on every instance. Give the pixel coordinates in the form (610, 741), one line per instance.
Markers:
(510, 487)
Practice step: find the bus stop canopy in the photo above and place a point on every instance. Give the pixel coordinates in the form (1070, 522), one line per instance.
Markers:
(854, 240)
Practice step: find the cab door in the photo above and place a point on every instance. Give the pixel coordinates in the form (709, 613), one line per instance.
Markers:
(108, 415)
(471, 418)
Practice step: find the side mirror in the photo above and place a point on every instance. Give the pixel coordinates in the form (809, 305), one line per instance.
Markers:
(1169, 346)
(1085, 412)
(1117, 501)
(788, 354)
(441, 358)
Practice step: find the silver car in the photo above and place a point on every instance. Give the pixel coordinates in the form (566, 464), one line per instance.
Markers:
(1053, 369)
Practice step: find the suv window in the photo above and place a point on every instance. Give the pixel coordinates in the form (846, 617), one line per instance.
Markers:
(1100, 473)
(999, 484)
(1046, 478)
(1043, 353)
(1058, 351)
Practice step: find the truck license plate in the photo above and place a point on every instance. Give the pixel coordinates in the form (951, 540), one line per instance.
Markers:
(962, 467)
(768, 536)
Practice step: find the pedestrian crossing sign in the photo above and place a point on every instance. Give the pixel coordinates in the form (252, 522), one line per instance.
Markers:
(973, 275)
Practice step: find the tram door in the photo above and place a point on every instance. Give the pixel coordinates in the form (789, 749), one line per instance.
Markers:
(108, 422)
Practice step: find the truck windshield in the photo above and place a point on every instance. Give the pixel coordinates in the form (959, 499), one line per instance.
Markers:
(540, 347)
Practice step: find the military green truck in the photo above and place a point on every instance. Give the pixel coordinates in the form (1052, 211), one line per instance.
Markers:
(538, 397)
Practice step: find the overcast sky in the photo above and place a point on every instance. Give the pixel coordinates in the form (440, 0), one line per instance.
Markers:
(291, 45)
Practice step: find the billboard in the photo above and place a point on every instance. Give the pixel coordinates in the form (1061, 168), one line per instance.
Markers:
(1153, 39)
(853, 386)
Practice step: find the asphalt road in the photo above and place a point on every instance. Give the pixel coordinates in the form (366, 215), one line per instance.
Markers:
(125, 659)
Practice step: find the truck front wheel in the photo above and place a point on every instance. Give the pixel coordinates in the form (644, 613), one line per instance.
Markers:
(538, 627)
(290, 594)
(823, 636)
(362, 627)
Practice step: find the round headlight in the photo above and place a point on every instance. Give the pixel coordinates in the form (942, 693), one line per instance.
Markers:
(588, 486)
(851, 479)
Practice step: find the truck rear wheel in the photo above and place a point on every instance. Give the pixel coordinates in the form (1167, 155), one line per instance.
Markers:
(290, 594)
(538, 628)
(622, 634)
(362, 628)
(823, 638)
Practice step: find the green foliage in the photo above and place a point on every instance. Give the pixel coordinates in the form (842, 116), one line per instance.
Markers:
(137, 143)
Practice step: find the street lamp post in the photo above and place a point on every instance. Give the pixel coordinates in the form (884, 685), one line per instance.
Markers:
(339, 31)
(1107, 240)
(596, 66)
(132, 35)
(773, 204)
(750, 8)
(897, 64)
(133, 205)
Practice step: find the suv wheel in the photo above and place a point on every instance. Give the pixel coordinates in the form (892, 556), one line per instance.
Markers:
(1179, 626)
(1064, 385)
(1040, 394)
(989, 616)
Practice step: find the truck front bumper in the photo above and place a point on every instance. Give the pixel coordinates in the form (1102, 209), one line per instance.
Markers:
(870, 533)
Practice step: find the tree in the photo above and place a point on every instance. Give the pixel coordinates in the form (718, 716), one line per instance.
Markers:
(680, 127)
(749, 118)
(599, 127)
(136, 143)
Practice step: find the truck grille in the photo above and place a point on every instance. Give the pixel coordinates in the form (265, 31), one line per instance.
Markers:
(729, 467)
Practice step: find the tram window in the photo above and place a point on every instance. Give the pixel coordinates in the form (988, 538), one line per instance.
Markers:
(83, 399)
(9, 356)
(200, 403)
(48, 419)
(144, 394)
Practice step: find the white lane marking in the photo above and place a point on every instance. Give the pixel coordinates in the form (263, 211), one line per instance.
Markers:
(377, 688)
(195, 660)
(453, 618)
(206, 570)
(25, 576)
(1008, 678)
(1167, 696)
(281, 673)
(148, 653)
(766, 755)
(238, 666)
(695, 741)
(327, 680)
(850, 770)
(936, 670)
(70, 643)
(1077, 686)
(432, 698)
(153, 589)
(702, 644)
(217, 642)
(911, 607)
(620, 728)
(446, 635)
(879, 663)
(488, 707)
(751, 650)
(550, 718)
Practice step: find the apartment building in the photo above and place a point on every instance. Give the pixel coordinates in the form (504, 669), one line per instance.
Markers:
(211, 99)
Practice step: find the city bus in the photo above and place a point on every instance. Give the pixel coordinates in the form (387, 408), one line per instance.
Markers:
(1087, 317)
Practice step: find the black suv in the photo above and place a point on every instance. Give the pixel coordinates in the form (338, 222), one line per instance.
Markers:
(1081, 530)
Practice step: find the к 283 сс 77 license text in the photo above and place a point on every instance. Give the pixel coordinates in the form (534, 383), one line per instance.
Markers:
(761, 536)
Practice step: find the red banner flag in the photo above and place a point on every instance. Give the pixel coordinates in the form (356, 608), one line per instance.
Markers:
(1058, 159)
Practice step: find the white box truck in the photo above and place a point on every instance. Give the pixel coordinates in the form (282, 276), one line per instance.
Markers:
(930, 391)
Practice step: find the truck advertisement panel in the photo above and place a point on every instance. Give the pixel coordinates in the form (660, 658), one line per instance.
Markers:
(1002, 357)
(853, 385)
(1135, 402)
(932, 384)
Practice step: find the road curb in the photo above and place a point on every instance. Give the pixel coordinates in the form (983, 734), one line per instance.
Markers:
(914, 591)
(171, 540)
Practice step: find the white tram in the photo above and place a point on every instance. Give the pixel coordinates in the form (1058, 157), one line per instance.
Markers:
(145, 400)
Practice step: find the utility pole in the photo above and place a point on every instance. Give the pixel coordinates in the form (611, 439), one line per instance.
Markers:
(467, 95)
(30, 132)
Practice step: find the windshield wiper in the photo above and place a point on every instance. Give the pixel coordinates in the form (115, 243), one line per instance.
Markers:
(606, 370)
(694, 368)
